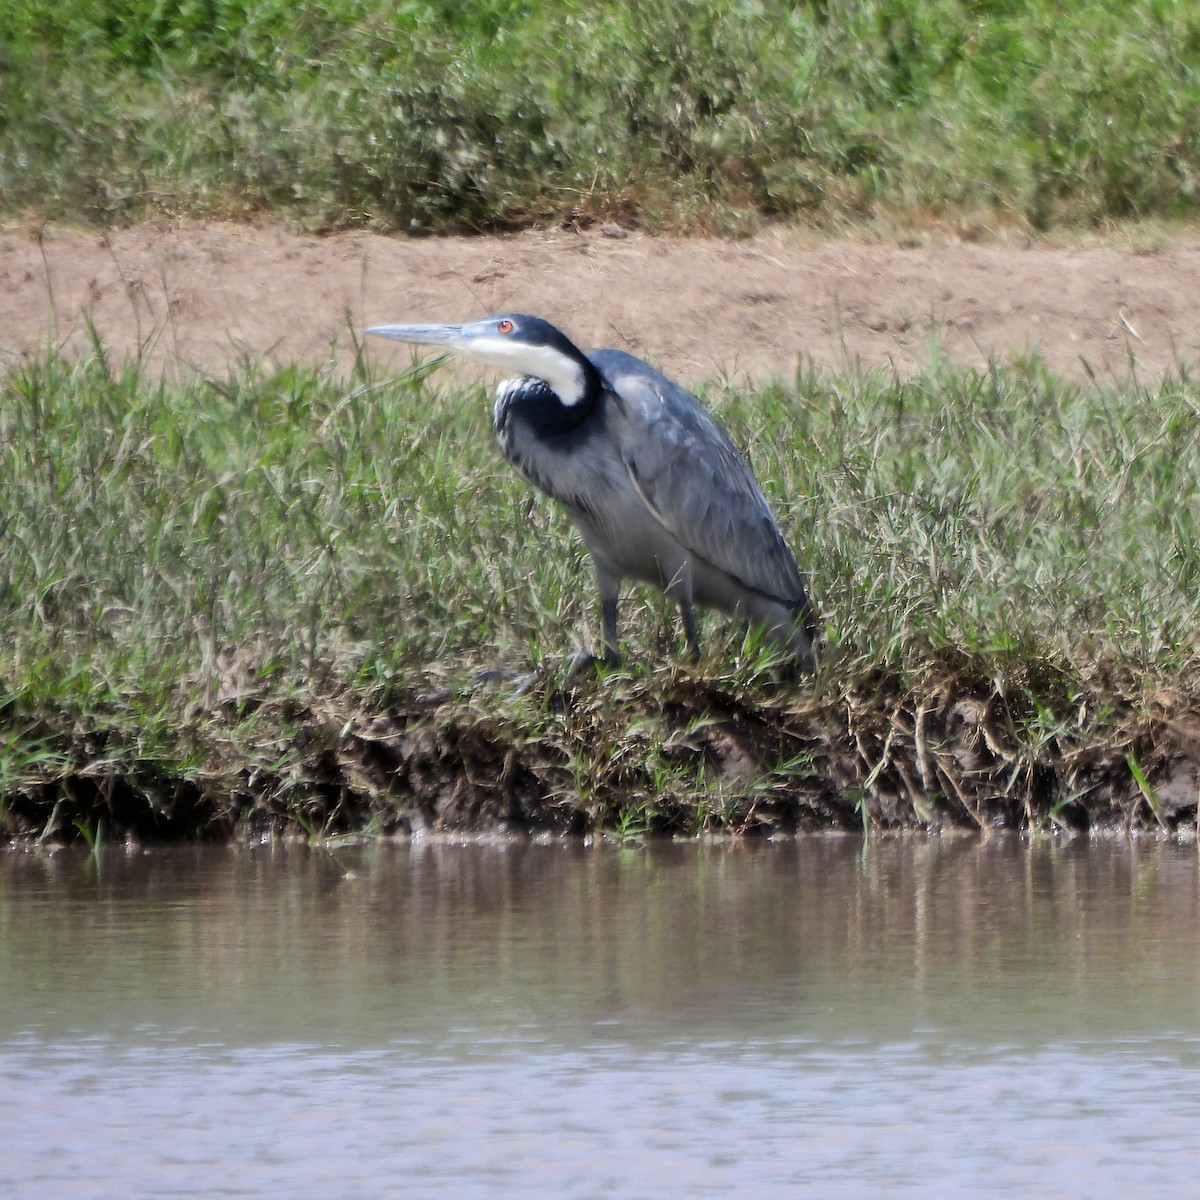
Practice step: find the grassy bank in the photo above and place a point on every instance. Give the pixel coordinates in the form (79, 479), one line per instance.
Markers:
(500, 112)
(264, 602)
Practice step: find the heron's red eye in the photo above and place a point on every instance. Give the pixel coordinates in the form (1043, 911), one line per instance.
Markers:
(504, 326)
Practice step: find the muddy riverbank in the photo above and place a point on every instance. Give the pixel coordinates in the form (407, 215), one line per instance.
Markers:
(672, 754)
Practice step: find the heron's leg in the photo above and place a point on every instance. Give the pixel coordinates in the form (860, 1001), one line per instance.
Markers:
(610, 594)
(689, 628)
(608, 610)
(679, 588)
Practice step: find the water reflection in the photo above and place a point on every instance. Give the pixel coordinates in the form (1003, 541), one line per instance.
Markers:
(745, 1019)
(994, 940)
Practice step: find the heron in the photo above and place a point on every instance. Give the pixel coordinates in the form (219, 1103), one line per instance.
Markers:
(654, 484)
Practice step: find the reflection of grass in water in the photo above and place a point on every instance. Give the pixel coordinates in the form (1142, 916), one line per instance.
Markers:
(219, 594)
(496, 112)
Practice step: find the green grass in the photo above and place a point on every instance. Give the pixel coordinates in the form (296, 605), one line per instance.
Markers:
(717, 115)
(222, 601)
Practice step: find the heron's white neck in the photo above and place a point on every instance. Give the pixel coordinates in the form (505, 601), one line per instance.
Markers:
(561, 374)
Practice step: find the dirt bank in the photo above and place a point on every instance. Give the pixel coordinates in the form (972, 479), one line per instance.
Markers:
(198, 295)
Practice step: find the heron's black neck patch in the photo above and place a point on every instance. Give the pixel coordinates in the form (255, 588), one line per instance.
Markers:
(533, 402)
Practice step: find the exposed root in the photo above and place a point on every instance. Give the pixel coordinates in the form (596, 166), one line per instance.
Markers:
(680, 755)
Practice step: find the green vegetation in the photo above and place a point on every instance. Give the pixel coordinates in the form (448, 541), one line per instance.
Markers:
(431, 116)
(265, 601)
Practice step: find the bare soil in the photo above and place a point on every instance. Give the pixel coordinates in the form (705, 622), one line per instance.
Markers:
(196, 296)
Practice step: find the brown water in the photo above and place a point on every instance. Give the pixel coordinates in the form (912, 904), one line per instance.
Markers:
(813, 1018)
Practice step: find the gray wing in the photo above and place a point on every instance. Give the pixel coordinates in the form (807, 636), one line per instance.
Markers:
(694, 480)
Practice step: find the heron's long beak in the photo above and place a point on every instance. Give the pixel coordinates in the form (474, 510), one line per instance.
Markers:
(424, 335)
(479, 341)
(496, 342)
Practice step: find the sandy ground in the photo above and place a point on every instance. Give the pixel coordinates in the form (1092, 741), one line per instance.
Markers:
(198, 296)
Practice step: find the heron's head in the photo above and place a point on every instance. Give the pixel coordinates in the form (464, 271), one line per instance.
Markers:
(512, 342)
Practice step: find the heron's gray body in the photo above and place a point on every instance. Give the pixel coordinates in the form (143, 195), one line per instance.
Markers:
(661, 496)
(658, 491)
